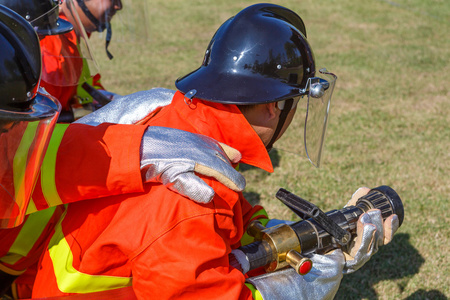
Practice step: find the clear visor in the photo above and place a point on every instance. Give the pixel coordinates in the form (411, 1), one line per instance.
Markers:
(67, 58)
(129, 21)
(24, 138)
(306, 134)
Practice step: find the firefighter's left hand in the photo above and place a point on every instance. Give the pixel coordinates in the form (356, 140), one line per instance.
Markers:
(172, 157)
(371, 233)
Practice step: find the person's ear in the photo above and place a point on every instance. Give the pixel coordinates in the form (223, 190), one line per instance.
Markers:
(272, 110)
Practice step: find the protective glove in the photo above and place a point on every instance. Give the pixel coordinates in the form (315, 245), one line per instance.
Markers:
(129, 109)
(371, 233)
(322, 282)
(171, 156)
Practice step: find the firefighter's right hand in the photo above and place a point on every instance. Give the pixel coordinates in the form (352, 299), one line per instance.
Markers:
(172, 157)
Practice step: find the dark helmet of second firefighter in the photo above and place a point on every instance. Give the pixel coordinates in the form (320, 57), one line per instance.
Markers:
(42, 14)
(20, 59)
(261, 55)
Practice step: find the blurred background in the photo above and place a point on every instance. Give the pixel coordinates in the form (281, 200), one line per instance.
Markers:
(389, 122)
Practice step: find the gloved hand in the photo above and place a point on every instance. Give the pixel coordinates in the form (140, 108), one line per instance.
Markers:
(129, 109)
(168, 155)
(322, 282)
(172, 156)
(371, 233)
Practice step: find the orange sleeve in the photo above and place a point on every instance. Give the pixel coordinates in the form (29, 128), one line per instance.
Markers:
(92, 162)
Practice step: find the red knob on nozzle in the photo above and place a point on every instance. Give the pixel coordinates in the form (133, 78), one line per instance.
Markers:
(302, 265)
(305, 267)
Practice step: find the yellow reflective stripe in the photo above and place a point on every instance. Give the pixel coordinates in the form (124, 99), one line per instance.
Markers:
(85, 77)
(28, 235)
(255, 293)
(31, 207)
(10, 271)
(48, 168)
(246, 238)
(19, 164)
(69, 279)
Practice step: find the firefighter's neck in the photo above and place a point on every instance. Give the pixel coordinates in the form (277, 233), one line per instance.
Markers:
(264, 119)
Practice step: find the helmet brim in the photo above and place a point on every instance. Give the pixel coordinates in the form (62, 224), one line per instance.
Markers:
(62, 27)
(206, 81)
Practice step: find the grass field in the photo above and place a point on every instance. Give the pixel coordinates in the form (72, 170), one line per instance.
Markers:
(389, 121)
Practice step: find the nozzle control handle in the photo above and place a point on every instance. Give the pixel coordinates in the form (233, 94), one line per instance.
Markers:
(303, 209)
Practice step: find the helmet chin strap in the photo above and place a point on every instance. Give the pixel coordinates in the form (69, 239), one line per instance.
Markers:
(99, 26)
(283, 116)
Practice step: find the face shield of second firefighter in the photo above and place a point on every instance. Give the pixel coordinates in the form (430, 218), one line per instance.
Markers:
(117, 22)
(306, 134)
(66, 52)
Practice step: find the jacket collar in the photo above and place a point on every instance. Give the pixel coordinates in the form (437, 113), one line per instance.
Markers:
(226, 124)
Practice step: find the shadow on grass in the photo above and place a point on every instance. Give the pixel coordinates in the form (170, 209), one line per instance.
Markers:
(252, 197)
(397, 261)
(427, 295)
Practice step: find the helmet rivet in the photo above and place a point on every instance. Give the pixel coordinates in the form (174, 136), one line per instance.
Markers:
(279, 67)
(188, 97)
(29, 94)
(27, 17)
(235, 58)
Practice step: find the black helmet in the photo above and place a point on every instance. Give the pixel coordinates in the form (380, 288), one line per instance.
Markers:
(20, 59)
(260, 55)
(42, 14)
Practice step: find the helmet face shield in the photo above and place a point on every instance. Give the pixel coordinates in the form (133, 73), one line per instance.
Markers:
(64, 55)
(128, 20)
(24, 138)
(306, 133)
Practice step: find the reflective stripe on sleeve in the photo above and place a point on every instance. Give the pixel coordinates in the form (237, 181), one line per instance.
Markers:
(31, 207)
(32, 229)
(48, 169)
(19, 164)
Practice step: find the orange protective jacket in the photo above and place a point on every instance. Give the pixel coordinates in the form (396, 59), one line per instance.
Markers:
(164, 245)
(81, 162)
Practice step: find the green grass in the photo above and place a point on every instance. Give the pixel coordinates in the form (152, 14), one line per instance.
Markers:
(389, 121)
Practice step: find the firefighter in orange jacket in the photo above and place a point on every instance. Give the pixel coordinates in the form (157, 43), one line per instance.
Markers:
(155, 244)
(27, 119)
(68, 64)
